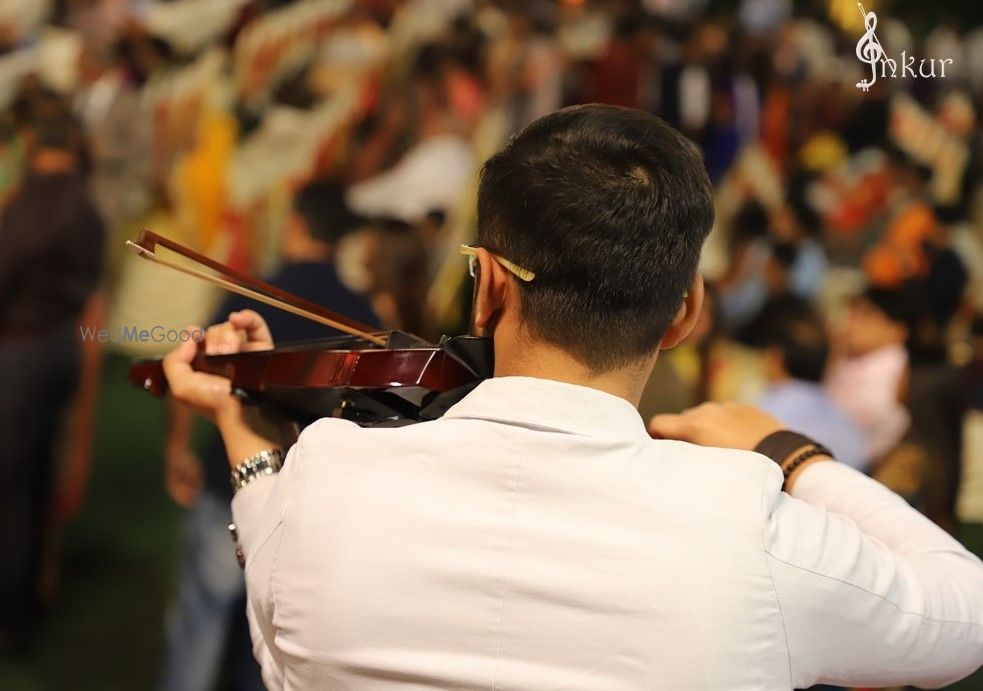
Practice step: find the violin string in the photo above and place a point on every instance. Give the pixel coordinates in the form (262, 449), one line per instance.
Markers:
(255, 295)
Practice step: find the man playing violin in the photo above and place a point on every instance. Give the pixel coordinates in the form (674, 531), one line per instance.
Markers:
(207, 606)
(536, 536)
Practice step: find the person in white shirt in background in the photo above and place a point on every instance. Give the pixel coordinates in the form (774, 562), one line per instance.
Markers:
(536, 536)
(795, 362)
(868, 371)
(432, 173)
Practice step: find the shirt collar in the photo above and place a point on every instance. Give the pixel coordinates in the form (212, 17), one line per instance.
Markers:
(551, 405)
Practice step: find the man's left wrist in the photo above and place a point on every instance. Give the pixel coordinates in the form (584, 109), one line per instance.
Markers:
(248, 431)
(229, 414)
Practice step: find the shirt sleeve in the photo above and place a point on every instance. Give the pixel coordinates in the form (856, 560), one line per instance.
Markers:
(258, 510)
(870, 592)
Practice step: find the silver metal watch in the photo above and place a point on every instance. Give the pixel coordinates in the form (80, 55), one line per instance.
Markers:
(262, 464)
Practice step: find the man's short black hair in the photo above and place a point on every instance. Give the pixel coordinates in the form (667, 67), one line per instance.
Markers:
(801, 339)
(322, 205)
(609, 207)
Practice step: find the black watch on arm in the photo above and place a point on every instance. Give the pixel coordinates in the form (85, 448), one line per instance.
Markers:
(779, 447)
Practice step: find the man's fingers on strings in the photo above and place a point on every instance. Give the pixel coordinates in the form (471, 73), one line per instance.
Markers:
(223, 339)
(180, 358)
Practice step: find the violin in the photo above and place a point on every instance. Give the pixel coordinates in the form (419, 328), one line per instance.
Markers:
(369, 377)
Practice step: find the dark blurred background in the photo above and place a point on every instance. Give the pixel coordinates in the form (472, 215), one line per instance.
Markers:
(332, 146)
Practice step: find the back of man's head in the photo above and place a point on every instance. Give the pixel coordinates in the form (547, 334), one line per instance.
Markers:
(609, 207)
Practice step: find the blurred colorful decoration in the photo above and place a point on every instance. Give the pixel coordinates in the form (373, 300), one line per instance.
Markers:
(22, 19)
(851, 196)
(823, 151)
(939, 142)
(844, 14)
(200, 177)
(275, 46)
(177, 101)
(287, 149)
(14, 66)
(189, 25)
(900, 255)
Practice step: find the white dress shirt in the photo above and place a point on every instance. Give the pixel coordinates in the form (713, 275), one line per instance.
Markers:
(536, 538)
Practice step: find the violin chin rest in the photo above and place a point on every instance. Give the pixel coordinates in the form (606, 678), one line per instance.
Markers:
(476, 353)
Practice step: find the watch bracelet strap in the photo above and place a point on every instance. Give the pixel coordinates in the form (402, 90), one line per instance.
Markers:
(779, 447)
(264, 463)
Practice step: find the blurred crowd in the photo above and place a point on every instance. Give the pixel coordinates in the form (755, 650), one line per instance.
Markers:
(333, 147)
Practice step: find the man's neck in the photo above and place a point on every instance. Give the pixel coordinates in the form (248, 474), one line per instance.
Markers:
(545, 361)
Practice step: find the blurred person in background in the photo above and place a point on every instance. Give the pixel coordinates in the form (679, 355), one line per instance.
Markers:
(935, 393)
(722, 138)
(795, 222)
(622, 75)
(969, 506)
(395, 256)
(119, 127)
(741, 287)
(543, 67)
(947, 277)
(432, 173)
(870, 365)
(686, 86)
(51, 255)
(899, 254)
(781, 301)
(795, 364)
(210, 599)
(775, 255)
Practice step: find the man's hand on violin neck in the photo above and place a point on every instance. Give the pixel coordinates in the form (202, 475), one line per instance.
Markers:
(206, 393)
(245, 431)
(244, 330)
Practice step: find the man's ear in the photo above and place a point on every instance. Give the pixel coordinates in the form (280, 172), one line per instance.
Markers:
(687, 316)
(492, 285)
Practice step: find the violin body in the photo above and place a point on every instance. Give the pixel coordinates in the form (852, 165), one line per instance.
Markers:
(368, 377)
(344, 377)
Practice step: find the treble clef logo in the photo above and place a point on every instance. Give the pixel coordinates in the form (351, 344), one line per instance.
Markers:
(869, 49)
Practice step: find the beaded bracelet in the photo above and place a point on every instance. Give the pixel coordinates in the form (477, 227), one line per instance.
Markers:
(780, 445)
(816, 450)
